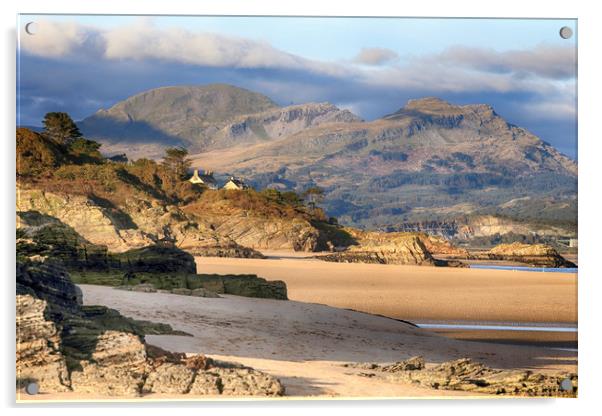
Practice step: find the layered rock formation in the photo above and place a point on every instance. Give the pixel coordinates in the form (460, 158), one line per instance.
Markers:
(61, 243)
(267, 233)
(385, 249)
(39, 358)
(395, 248)
(138, 224)
(539, 255)
(62, 346)
(466, 375)
(439, 245)
(161, 266)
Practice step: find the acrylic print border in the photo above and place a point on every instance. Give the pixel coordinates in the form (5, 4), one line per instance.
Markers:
(81, 166)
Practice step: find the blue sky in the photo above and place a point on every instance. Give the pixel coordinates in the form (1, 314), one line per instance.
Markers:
(371, 66)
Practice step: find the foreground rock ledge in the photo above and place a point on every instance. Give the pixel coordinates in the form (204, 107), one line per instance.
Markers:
(466, 375)
(62, 349)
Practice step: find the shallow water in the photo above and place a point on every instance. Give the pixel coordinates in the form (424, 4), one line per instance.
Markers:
(487, 327)
(525, 268)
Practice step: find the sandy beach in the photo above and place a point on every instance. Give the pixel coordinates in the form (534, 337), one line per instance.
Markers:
(349, 313)
(415, 293)
(305, 344)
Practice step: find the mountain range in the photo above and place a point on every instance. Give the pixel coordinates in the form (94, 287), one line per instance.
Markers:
(429, 160)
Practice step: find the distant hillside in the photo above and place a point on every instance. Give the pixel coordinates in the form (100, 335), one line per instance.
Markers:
(172, 115)
(429, 160)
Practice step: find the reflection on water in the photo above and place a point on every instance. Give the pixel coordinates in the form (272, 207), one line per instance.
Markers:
(525, 268)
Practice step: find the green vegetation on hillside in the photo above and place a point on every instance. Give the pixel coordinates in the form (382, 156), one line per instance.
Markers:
(266, 203)
(77, 165)
(61, 128)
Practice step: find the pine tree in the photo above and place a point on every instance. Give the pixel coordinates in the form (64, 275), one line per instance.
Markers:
(176, 162)
(61, 128)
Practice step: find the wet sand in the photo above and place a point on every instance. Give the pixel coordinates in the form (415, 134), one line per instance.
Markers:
(415, 293)
(305, 344)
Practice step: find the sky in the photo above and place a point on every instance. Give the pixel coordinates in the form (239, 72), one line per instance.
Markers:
(371, 66)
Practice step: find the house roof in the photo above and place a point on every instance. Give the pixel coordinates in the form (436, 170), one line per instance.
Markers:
(207, 178)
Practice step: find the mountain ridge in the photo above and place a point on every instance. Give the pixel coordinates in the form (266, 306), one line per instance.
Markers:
(427, 160)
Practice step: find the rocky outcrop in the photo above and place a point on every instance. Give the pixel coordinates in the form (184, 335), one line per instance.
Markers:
(168, 222)
(156, 259)
(117, 366)
(146, 269)
(209, 286)
(466, 375)
(439, 245)
(198, 375)
(39, 358)
(59, 242)
(139, 223)
(539, 255)
(85, 216)
(64, 346)
(384, 248)
(394, 248)
(270, 233)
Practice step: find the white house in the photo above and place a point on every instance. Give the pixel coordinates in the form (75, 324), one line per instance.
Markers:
(235, 184)
(206, 179)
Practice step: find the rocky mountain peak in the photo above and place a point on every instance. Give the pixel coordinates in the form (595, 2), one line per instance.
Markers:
(429, 104)
(433, 106)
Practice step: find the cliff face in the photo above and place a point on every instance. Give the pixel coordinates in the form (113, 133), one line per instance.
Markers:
(266, 233)
(64, 346)
(253, 220)
(275, 124)
(439, 245)
(139, 223)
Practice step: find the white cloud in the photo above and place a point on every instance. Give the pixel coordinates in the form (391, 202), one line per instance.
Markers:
(552, 109)
(543, 71)
(53, 39)
(375, 56)
(543, 61)
(142, 40)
